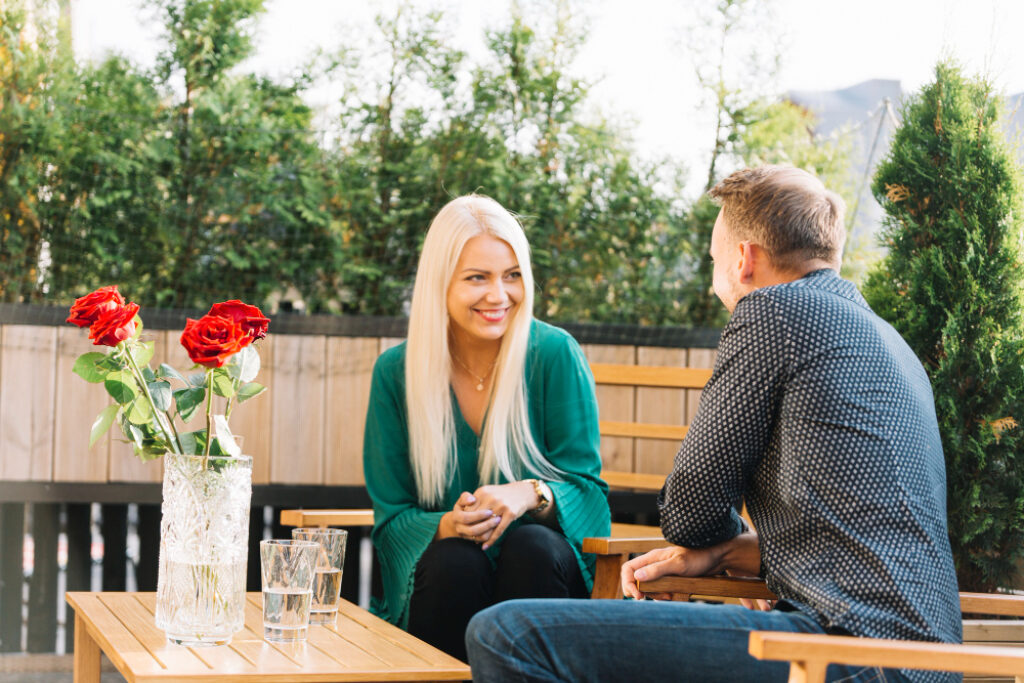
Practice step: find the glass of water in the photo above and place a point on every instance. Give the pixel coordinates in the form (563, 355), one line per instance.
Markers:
(329, 563)
(288, 568)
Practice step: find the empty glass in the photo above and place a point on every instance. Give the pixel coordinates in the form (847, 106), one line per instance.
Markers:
(288, 568)
(329, 563)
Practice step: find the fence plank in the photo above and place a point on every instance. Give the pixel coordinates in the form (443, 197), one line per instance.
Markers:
(349, 372)
(697, 358)
(298, 410)
(42, 587)
(659, 406)
(114, 529)
(76, 406)
(616, 404)
(253, 421)
(27, 356)
(12, 536)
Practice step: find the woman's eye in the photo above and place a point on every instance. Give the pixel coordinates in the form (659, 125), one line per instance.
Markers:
(514, 275)
(476, 278)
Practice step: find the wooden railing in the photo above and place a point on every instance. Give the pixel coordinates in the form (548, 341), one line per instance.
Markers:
(305, 436)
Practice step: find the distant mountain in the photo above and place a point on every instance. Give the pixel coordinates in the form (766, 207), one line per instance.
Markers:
(871, 110)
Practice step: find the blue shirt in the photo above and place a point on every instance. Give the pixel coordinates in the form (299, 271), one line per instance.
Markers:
(822, 419)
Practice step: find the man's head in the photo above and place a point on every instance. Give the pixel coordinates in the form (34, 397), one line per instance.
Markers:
(777, 224)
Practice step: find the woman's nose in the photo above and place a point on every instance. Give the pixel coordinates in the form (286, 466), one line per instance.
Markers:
(496, 292)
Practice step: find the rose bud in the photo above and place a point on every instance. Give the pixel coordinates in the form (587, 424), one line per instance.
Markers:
(91, 307)
(114, 326)
(249, 317)
(212, 339)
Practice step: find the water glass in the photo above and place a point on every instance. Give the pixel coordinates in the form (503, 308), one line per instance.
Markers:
(329, 563)
(288, 568)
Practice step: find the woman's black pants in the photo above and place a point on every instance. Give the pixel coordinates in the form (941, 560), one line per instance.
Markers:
(454, 580)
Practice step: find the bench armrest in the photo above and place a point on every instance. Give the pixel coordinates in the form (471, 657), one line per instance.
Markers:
(327, 517)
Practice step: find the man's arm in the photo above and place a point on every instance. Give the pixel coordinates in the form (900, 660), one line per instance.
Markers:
(731, 431)
(739, 556)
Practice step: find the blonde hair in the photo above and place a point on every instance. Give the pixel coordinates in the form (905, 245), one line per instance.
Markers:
(506, 444)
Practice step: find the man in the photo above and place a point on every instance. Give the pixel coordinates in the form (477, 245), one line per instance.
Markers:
(821, 418)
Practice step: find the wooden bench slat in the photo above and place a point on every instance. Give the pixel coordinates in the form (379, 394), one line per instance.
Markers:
(636, 481)
(805, 647)
(298, 518)
(639, 430)
(650, 376)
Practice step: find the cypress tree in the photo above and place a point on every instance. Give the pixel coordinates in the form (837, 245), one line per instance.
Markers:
(951, 285)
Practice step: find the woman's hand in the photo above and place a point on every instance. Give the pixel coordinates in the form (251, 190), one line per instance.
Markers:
(467, 519)
(508, 501)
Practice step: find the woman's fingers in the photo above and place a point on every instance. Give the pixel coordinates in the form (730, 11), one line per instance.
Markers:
(499, 529)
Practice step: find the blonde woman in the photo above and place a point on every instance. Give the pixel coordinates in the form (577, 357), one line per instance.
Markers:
(481, 444)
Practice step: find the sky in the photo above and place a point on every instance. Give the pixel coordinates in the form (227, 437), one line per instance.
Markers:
(635, 52)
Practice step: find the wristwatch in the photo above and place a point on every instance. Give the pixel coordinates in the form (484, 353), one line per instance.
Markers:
(543, 495)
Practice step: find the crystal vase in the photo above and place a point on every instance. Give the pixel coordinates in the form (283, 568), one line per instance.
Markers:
(204, 537)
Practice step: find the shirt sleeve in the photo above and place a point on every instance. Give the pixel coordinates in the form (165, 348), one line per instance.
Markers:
(731, 430)
(402, 530)
(571, 442)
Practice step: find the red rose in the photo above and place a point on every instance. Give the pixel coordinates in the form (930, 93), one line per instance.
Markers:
(91, 307)
(212, 339)
(249, 317)
(114, 326)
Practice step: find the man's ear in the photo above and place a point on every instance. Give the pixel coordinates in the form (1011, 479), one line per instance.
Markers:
(750, 257)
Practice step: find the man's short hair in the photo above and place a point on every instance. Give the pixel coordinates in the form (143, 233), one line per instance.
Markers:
(785, 210)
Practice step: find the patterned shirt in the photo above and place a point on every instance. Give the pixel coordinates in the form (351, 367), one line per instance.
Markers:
(822, 419)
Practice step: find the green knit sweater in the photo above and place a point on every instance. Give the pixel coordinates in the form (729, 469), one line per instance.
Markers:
(563, 419)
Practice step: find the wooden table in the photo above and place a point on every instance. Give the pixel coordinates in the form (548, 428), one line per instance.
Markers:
(358, 647)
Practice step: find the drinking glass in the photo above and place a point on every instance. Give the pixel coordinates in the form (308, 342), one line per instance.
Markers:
(287, 568)
(329, 563)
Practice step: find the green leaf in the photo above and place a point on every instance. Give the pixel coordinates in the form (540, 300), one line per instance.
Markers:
(148, 375)
(138, 333)
(224, 436)
(86, 367)
(197, 379)
(140, 412)
(120, 386)
(245, 364)
(223, 385)
(188, 400)
(250, 390)
(102, 423)
(167, 372)
(161, 393)
(193, 443)
(142, 353)
(147, 453)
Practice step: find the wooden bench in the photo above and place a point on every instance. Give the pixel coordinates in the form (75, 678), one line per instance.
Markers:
(611, 551)
(810, 654)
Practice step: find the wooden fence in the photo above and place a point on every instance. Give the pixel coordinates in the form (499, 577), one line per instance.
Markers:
(305, 436)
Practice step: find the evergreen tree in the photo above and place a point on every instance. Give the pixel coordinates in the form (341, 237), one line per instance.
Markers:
(951, 285)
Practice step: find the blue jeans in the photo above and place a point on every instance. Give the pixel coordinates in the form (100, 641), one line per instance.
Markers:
(629, 640)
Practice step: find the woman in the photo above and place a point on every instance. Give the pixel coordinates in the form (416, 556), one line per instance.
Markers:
(481, 444)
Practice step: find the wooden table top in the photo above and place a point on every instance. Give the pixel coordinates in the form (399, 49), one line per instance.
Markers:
(358, 647)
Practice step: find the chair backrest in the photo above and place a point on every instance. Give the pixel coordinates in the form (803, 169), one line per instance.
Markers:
(644, 376)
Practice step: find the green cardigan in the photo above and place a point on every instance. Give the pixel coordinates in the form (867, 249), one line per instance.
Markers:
(563, 419)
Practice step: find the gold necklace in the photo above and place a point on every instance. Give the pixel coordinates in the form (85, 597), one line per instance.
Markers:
(479, 380)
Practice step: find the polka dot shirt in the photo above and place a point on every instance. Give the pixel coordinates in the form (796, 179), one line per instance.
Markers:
(821, 418)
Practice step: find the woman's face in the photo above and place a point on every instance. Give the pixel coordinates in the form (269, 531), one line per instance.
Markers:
(485, 289)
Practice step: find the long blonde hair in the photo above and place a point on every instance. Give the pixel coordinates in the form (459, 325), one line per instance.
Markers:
(506, 444)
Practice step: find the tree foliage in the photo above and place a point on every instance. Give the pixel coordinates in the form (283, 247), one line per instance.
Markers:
(951, 285)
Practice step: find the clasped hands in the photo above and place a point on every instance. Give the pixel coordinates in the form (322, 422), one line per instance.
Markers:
(739, 556)
(483, 515)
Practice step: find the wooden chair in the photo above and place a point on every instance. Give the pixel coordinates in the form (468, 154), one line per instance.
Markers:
(810, 654)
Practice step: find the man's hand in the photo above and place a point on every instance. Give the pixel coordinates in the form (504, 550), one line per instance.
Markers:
(671, 561)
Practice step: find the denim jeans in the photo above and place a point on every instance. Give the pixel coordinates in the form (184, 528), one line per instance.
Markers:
(628, 640)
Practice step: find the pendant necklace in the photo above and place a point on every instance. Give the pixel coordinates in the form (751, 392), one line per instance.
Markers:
(479, 380)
